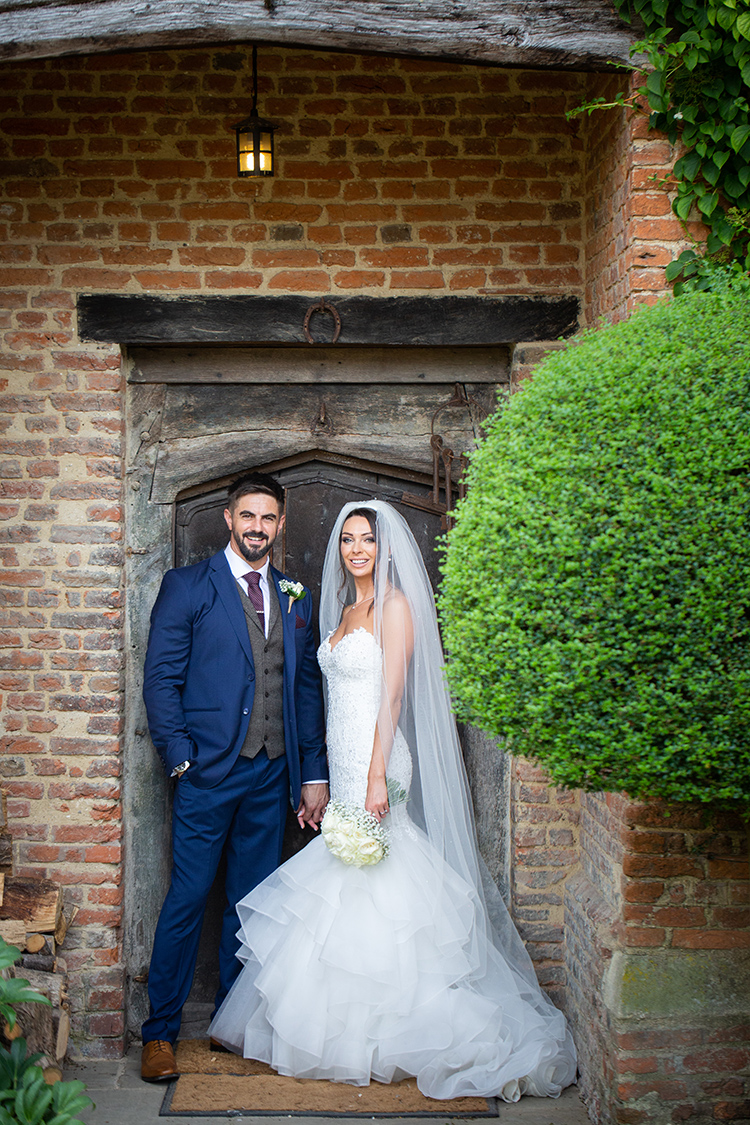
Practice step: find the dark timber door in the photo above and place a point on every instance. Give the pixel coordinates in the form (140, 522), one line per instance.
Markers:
(316, 490)
(317, 486)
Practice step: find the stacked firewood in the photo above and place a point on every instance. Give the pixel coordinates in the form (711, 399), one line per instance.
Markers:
(32, 918)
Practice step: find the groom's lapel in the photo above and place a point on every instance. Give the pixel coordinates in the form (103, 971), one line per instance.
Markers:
(226, 588)
(288, 620)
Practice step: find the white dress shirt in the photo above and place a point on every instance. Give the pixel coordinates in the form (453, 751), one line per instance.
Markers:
(240, 568)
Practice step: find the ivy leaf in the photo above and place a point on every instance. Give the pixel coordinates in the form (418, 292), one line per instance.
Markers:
(691, 37)
(743, 25)
(732, 187)
(683, 206)
(739, 136)
(708, 204)
(655, 86)
(721, 235)
(724, 18)
(688, 166)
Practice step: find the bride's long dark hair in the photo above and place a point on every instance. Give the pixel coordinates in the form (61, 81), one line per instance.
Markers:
(346, 583)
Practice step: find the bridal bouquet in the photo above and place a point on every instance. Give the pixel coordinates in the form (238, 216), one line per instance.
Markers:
(353, 835)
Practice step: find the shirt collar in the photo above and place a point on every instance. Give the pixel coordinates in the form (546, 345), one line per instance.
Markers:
(239, 567)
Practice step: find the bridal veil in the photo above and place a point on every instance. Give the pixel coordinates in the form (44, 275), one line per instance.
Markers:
(439, 800)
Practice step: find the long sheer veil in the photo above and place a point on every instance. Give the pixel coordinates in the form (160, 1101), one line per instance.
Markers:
(439, 801)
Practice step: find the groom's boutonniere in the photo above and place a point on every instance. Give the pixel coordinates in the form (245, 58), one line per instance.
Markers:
(295, 590)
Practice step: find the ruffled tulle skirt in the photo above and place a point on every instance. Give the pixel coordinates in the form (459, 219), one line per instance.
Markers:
(352, 974)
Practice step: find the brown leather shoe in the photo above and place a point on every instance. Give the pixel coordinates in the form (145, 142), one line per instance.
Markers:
(158, 1063)
(215, 1045)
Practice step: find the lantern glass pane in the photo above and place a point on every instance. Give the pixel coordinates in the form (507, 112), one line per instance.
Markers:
(245, 153)
(265, 152)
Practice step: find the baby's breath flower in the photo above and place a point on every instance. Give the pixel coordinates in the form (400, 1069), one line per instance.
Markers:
(353, 835)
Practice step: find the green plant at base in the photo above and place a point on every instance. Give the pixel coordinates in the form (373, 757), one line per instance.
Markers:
(596, 599)
(25, 1098)
(696, 88)
(13, 990)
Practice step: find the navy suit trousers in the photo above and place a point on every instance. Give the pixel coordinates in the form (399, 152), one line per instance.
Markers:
(247, 812)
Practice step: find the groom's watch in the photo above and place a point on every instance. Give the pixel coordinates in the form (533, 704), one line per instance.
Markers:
(178, 771)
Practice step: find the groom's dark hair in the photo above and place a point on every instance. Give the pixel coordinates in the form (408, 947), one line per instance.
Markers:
(255, 482)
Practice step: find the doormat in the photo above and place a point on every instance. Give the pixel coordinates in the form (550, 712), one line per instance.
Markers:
(217, 1084)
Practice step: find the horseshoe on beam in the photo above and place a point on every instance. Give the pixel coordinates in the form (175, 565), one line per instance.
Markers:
(322, 306)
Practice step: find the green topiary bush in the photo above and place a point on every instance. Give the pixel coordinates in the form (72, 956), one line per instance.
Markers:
(596, 596)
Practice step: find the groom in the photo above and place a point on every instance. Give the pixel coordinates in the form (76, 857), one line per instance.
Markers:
(233, 696)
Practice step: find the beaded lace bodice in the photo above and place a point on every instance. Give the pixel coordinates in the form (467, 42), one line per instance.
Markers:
(353, 672)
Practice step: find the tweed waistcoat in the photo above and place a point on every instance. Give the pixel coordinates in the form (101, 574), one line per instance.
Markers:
(267, 717)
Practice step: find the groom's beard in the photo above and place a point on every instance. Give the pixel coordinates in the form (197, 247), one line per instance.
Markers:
(253, 547)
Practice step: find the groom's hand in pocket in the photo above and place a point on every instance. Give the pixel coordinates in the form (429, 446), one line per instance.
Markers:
(313, 805)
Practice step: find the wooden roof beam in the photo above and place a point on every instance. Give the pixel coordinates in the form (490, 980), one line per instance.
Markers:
(530, 33)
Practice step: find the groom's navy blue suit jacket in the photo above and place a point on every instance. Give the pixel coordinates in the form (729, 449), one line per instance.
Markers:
(199, 677)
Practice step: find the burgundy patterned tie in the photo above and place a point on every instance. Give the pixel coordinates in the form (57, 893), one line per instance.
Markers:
(252, 578)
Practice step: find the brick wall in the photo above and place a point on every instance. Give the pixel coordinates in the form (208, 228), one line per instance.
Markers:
(544, 852)
(662, 1012)
(631, 232)
(396, 176)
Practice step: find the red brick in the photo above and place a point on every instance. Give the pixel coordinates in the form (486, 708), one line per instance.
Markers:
(396, 256)
(297, 259)
(467, 279)
(108, 1025)
(711, 939)
(102, 854)
(653, 867)
(644, 938)
(211, 256)
(637, 1064)
(731, 916)
(358, 279)
(665, 1089)
(679, 916)
(728, 1060)
(735, 868)
(417, 279)
(152, 279)
(307, 281)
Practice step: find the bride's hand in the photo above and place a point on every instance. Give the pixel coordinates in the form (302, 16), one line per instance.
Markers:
(376, 801)
(312, 806)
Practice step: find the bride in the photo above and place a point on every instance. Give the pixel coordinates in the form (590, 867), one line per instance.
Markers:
(409, 966)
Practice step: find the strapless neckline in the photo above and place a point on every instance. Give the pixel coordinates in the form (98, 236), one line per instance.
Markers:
(360, 629)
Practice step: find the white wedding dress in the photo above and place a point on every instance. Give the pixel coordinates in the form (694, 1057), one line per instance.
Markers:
(358, 973)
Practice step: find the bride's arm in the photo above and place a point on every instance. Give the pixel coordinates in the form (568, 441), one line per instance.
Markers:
(397, 642)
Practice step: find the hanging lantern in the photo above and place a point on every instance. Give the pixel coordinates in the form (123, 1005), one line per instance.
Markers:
(254, 137)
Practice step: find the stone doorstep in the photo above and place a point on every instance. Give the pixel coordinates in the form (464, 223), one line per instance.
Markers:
(122, 1098)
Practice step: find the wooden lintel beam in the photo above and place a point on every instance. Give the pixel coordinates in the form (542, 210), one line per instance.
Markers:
(387, 321)
(555, 33)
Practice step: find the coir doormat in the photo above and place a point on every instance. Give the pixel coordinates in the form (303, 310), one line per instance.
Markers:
(216, 1084)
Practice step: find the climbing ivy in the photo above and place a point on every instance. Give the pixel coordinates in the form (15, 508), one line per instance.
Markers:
(696, 84)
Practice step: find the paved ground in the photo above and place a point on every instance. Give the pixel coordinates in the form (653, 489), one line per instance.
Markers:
(121, 1098)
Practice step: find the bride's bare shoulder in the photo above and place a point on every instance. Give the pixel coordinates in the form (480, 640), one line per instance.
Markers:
(396, 610)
